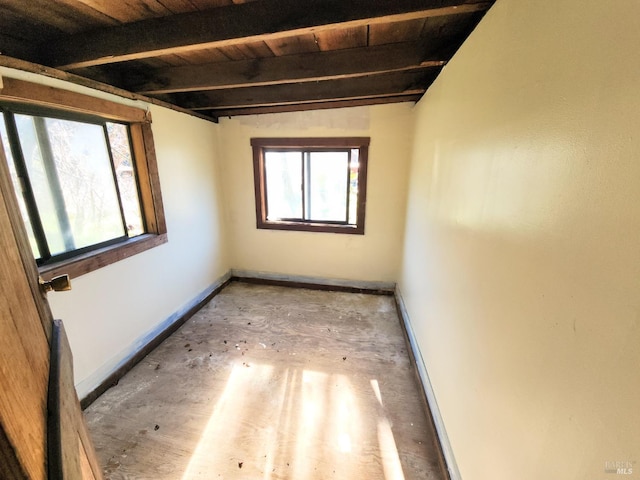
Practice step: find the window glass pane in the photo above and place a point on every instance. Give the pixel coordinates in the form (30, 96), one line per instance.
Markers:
(327, 197)
(70, 170)
(284, 184)
(17, 186)
(39, 183)
(126, 176)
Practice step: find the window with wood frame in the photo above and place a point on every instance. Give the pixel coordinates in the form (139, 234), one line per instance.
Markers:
(311, 184)
(85, 175)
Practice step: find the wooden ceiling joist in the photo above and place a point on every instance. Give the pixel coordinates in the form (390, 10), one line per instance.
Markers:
(234, 24)
(402, 83)
(231, 112)
(308, 67)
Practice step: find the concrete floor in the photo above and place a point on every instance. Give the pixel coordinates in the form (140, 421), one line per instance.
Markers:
(271, 383)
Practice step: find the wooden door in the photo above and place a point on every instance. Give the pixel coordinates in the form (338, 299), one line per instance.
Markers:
(26, 334)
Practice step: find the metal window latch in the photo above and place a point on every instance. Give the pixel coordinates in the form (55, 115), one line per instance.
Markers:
(61, 283)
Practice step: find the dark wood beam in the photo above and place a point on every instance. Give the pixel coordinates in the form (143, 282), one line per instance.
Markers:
(233, 24)
(385, 85)
(302, 107)
(12, 46)
(308, 67)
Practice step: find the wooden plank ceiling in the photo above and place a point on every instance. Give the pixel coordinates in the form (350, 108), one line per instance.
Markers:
(235, 57)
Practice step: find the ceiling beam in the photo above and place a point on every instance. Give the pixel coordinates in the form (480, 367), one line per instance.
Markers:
(239, 23)
(307, 67)
(390, 84)
(232, 112)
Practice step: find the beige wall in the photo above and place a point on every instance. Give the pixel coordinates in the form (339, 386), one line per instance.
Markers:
(111, 310)
(372, 257)
(521, 268)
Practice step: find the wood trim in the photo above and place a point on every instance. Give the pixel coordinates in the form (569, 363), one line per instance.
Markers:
(362, 187)
(153, 177)
(148, 178)
(90, 466)
(443, 446)
(234, 24)
(258, 184)
(70, 450)
(145, 349)
(310, 142)
(63, 447)
(310, 227)
(259, 144)
(311, 285)
(20, 91)
(97, 259)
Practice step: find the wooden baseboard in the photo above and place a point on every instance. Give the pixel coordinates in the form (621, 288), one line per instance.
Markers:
(313, 283)
(448, 461)
(165, 329)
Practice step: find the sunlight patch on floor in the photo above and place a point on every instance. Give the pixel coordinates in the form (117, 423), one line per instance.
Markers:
(390, 459)
(222, 426)
(318, 410)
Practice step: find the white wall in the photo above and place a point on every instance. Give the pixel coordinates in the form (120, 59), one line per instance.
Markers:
(521, 269)
(110, 310)
(372, 257)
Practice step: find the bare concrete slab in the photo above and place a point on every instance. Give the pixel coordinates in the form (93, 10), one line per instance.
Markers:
(272, 383)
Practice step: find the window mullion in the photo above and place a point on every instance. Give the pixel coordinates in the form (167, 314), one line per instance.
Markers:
(53, 180)
(26, 187)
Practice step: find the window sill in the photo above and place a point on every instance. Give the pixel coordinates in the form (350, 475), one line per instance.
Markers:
(96, 259)
(312, 227)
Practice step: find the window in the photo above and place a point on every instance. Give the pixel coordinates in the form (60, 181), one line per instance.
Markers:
(85, 177)
(311, 184)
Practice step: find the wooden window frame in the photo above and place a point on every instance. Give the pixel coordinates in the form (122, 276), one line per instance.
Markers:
(144, 157)
(260, 144)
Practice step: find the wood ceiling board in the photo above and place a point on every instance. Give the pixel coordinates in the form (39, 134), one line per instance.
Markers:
(158, 62)
(289, 69)
(181, 6)
(207, 4)
(446, 34)
(293, 45)
(395, 32)
(126, 11)
(341, 38)
(84, 15)
(174, 60)
(451, 24)
(235, 24)
(13, 24)
(315, 106)
(63, 16)
(109, 76)
(389, 84)
(12, 47)
(256, 49)
(208, 55)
